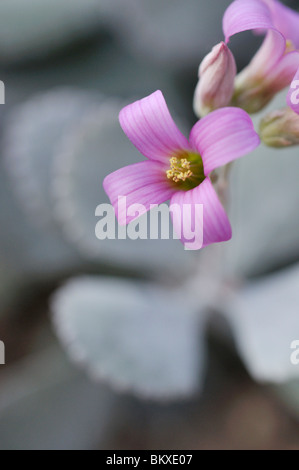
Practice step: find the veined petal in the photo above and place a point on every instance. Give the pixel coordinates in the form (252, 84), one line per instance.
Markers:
(223, 136)
(246, 15)
(215, 226)
(285, 20)
(293, 94)
(283, 73)
(143, 183)
(268, 55)
(150, 127)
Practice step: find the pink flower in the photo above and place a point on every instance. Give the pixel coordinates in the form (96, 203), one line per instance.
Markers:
(276, 62)
(178, 169)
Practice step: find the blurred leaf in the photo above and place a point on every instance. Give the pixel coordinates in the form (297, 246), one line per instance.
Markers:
(264, 318)
(264, 208)
(289, 394)
(10, 286)
(171, 32)
(35, 244)
(32, 133)
(46, 405)
(33, 28)
(27, 248)
(134, 336)
(103, 66)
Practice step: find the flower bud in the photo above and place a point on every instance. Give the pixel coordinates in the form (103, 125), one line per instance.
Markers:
(280, 128)
(216, 80)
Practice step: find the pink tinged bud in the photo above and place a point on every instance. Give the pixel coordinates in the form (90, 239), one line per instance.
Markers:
(216, 80)
(280, 128)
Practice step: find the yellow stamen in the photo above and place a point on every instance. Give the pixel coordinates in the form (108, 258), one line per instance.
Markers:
(179, 169)
(289, 46)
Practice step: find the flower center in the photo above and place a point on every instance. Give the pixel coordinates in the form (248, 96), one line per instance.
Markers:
(179, 169)
(186, 170)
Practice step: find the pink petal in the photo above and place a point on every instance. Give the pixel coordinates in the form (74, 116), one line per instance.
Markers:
(283, 73)
(142, 183)
(268, 55)
(150, 127)
(216, 226)
(285, 20)
(293, 94)
(223, 136)
(246, 15)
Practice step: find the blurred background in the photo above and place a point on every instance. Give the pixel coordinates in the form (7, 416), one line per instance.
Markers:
(134, 344)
